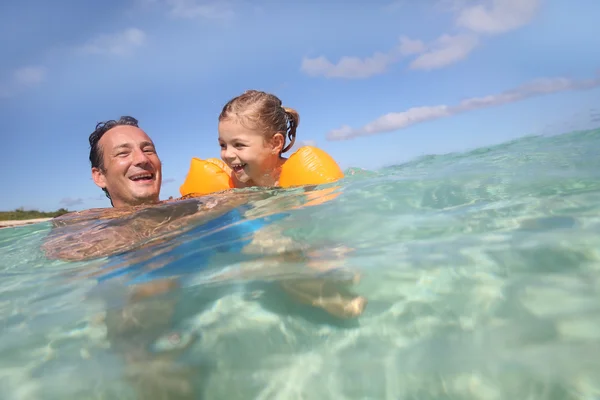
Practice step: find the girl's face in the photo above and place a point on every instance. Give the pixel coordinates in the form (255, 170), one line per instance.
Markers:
(252, 158)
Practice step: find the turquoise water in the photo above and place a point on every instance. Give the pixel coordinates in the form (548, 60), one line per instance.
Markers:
(481, 270)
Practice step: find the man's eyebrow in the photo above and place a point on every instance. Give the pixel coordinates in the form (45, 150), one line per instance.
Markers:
(129, 146)
(122, 146)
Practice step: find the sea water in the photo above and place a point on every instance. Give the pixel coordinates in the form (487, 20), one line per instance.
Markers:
(481, 270)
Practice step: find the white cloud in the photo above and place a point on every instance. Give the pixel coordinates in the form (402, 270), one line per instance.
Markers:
(22, 78)
(348, 67)
(498, 16)
(410, 46)
(444, 51)
(200, 9)
(120, 43)
(302, 143)
(395, 5)
(360, 68)
(191, 9)
(399, 120)
(492, 17)
(70, 201)
(29, 76)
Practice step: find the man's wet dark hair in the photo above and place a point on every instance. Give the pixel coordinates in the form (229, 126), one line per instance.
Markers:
(96, 155)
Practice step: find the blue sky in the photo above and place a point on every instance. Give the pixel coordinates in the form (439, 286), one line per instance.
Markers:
(375, 83)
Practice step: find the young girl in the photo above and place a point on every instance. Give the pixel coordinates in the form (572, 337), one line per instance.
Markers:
(252, 135)
(253, 129)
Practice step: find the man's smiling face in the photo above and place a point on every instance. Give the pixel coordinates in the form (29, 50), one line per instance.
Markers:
(131, 170)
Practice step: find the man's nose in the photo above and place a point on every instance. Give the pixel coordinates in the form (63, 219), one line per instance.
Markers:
(140, 157)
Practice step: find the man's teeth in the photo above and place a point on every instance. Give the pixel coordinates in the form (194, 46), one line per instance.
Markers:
(144, 176)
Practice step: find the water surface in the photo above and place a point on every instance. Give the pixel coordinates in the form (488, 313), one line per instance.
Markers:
(482, 271)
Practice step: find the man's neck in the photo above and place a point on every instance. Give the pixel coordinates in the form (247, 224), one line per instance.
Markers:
(140, 202)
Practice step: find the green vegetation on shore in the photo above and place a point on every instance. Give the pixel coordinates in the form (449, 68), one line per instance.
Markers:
(20, 214)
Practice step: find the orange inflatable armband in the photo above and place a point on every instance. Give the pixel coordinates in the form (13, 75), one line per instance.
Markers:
(311, 166)
(206, 176)
(307, 166)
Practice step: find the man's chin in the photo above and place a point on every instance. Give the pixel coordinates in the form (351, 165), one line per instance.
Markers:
(146, 196)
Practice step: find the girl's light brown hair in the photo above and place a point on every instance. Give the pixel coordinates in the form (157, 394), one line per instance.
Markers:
(263, 111)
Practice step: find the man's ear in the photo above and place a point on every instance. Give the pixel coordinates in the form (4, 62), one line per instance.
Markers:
(99, 178)
(277, 143)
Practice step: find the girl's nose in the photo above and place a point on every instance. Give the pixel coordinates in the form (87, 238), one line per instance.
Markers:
(228, 153)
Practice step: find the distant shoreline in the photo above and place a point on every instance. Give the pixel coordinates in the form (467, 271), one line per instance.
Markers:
(14, 223)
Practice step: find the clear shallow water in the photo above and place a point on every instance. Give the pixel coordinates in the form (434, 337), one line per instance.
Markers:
(482, 272)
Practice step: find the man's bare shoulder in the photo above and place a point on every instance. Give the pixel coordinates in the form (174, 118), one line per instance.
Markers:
(101, 232)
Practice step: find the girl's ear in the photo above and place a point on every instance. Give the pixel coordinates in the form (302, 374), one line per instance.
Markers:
(277, 142)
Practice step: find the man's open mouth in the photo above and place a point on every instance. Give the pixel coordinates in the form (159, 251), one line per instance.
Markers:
(238, 167)
(144, 177)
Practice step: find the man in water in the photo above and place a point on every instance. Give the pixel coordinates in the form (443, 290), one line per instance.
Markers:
(126, 166)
